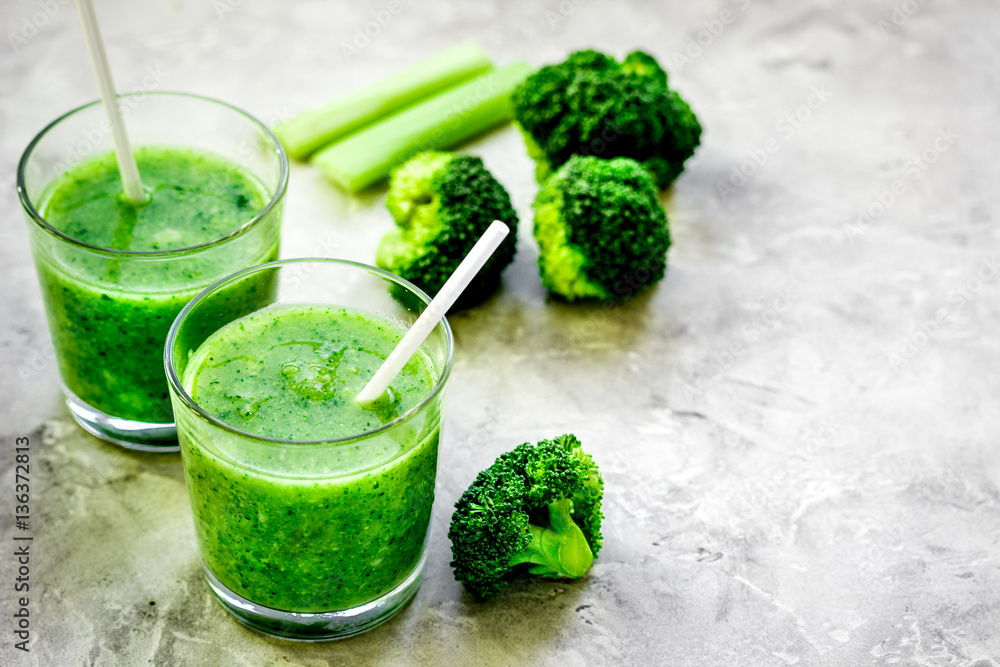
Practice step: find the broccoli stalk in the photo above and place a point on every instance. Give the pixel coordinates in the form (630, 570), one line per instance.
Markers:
(435, 123)
(313, 129)
(559, 549)
(537, 509)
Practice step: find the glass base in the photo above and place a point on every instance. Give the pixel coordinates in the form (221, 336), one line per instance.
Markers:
(140, 436)
(320, 626)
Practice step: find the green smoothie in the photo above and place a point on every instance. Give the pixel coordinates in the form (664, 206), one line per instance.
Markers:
(308, 527)
(109, 314)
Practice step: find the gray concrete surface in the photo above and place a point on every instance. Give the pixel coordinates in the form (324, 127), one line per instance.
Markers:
(798, 427)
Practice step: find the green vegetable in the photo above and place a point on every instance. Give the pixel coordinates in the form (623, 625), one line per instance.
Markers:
(600, 229)
(442, 203)
(311, 130)
(537, 505)
(439, 122)
(592, 105)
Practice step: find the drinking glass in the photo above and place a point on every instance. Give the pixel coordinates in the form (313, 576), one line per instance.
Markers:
(109, 310)
(318, 539)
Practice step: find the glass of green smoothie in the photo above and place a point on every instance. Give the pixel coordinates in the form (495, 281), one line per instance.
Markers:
(311, 512)
(115, 274)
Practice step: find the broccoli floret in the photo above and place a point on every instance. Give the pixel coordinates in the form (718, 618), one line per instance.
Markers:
(601, 231)
(538, 506)
(592, 105)
(442, 203)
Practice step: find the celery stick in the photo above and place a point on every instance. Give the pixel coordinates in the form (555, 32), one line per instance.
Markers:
(436, 123)
(311, 130)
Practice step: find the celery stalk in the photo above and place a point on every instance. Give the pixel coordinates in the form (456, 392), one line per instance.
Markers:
(436, 123)
(313, 129)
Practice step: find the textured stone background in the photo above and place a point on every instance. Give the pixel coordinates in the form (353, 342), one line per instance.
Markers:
(824, 495)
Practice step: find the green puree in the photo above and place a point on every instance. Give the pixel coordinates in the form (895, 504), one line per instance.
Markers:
(195, 197)
(306, 527)
(109, 317)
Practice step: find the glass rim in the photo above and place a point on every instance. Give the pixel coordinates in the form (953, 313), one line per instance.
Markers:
(177, 386)
(40, 220)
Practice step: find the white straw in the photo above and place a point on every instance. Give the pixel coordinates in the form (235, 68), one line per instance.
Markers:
(123, 151)
(436, 309)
